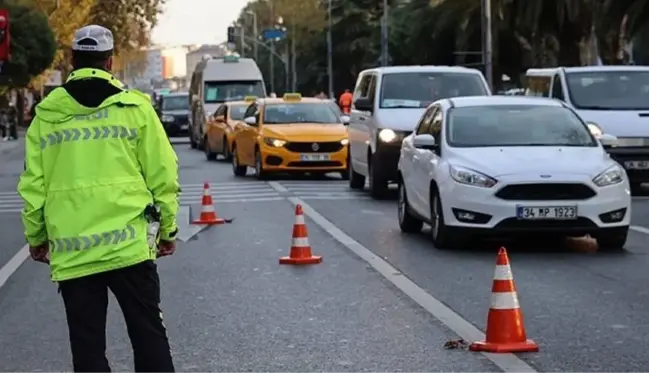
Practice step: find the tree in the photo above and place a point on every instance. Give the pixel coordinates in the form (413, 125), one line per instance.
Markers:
(33, 45)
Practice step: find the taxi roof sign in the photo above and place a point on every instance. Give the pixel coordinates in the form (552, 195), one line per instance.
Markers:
(250, 98)
(292, 97)
(231, 58)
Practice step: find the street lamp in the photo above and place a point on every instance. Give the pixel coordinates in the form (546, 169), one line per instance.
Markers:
(255, 31)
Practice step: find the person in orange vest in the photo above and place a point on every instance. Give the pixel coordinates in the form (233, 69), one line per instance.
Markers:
(345, 101)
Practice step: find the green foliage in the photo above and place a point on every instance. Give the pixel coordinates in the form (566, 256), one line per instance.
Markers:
(33, 45)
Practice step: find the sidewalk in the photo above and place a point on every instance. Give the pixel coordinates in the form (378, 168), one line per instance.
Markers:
(230, 306)
(10, 145)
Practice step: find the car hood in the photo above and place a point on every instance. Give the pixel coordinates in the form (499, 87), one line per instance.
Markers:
(620, 123)
(399, 119)
(503, 161)
(306, 131)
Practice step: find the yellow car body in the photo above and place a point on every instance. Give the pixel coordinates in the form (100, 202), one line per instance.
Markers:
(273, 145)
(220, 128)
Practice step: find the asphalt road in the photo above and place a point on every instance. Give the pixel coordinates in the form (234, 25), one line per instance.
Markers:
(374, 304)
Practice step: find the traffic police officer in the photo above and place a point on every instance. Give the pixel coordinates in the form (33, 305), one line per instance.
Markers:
(96, 158)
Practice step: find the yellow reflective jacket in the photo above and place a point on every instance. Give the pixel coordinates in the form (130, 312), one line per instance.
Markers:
(89, 174)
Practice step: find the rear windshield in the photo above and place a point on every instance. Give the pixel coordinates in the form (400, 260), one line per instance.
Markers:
(420, 89)
(223, 91)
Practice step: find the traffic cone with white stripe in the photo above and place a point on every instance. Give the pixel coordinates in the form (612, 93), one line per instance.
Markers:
(208, 215)
(505, 328)
(300, 247)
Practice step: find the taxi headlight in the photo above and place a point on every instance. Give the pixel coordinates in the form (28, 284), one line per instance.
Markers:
(387, 135)
(469, 177)
(167, 118)
(595, 130)
(344, 141)
(611, 176)
(277, 143)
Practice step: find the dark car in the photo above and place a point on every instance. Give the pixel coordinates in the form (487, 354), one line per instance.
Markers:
(173, 109)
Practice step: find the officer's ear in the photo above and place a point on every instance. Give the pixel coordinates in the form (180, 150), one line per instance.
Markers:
(109, 63)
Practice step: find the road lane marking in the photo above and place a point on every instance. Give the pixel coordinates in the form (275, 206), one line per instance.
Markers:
(13, 264)
(467, 331)
(639, 229)
(277, 186)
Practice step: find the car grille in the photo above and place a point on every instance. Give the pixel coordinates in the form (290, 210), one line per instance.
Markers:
(529, 226)
(311, 164)
(181, 119)
(308, 147)
(545, 192)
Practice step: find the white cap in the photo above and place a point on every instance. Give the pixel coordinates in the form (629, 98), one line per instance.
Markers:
(93, 38)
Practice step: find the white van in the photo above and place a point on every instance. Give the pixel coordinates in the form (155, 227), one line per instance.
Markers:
(218, 80)
(612, 100)
(387, 104)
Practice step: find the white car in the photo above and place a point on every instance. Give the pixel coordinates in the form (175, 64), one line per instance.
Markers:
(510, 166)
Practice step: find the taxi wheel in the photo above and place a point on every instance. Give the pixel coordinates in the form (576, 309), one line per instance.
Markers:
(259, 167)
(237, 169)
(209, 154)
(226, 150)
(407, 222)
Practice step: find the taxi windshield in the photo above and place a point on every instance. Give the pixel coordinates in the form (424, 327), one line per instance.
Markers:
(418, 90)
(609, 90)
(237, 111)
(516, 125)
(303, 112)
(175, 103)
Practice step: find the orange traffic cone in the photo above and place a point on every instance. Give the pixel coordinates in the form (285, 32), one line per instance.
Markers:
(300, 247)
(208, 215)
(505, 328)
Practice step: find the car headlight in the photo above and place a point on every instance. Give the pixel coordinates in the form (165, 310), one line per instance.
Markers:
(277, 143)
(611, 176)
(469, 177)
(167, 118)
(387, 135)
(595, 130)
(344, 141)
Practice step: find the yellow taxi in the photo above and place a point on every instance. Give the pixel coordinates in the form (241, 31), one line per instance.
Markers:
(219, 129)
(291, 134)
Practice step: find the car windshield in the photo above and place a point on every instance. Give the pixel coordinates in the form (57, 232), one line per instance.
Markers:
(285, 113)
(516, 125)
(418, 90)
(237, 111)
(609, 90)
(175, 103)
(224, 91)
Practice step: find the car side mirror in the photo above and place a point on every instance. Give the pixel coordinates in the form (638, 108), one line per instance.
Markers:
(425, 141)
(608, 141)
(345, 119)
(363, 104)
(251, 121)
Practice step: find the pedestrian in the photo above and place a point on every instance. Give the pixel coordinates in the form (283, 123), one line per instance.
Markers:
(97, 156)
(345, 101)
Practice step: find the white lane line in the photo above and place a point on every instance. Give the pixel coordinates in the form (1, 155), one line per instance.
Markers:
(639, 229)
(277, 186)
(13, 264)
(467, 331)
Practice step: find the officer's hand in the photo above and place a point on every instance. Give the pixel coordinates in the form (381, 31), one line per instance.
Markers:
(40, 253)
(166, 248)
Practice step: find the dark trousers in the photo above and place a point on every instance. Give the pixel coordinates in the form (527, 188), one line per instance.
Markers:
(137, 289)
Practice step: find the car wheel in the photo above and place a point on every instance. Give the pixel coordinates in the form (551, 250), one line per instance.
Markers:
(237, 169)
(407, 222)
(259, 167)
(225, 152)
(443, 236)
(612, 239)
(356, 180)
(378, 184)
(209, 154)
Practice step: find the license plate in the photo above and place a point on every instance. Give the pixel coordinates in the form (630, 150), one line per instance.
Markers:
(184, 127)
(547, 213)
(315, 157)
(636, 165)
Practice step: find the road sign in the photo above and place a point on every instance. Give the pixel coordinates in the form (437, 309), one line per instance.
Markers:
(273, 34)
